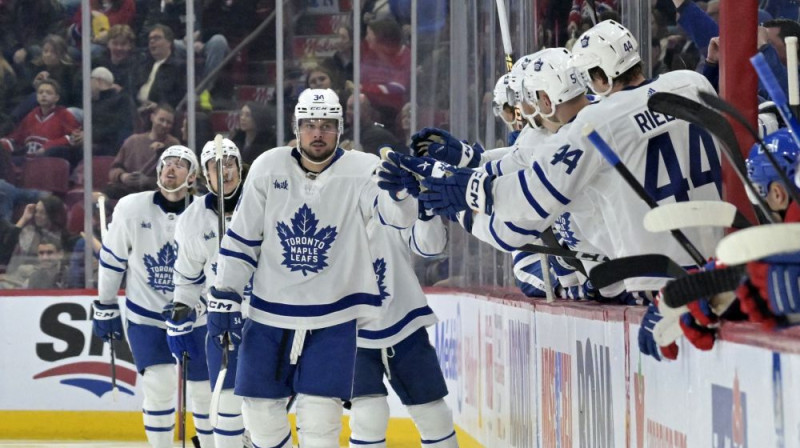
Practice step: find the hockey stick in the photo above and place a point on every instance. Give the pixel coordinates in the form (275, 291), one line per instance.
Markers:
(694, 112)
(612, 158)
(777, 94)
(113, 370)
(791, 72)
(223, 368)
(182, 399)
(718, 103)
(101, 206)
(593, 10)
(650, 265)
(679, 215)
(563, 253)
(706, 284)
(758, 242)
(502, 16)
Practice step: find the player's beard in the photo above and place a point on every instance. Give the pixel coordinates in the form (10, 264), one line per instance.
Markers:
(318, 157)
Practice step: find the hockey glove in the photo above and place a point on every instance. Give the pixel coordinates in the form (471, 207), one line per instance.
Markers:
(224, 316)
(106, 321)
(421, 167)
(528, 271)
(464, 189)
(652, 341)
(772, 290)
(441, 145)
(397, 181)
(179, 332)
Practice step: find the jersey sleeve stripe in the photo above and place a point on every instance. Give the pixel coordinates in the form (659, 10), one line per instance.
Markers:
(397, 327)
(522, 231)
(380, 217)
(488, 168)
(496, 237)
(522, 255)
(107, 250)
(108, 266)
(550, 187)
(528, 196)
(499, 169)
(239, 255)
(245, 241)
(195, 279)
(416, 246)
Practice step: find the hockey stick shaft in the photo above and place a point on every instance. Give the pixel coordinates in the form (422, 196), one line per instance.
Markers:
(694, 112)
(564, 253)
(505, 34)
(791, 72)
(220, 189)
(777, 94)
(183, 379)
(724, 106)
(113, 370)
(614, 160)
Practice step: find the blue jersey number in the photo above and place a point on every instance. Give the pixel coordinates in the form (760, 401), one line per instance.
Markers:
(567, 157)
(661, 147)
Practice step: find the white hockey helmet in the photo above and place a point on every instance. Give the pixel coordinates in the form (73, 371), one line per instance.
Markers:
(181, 152)
(507, 91)
(320, 104)
(209, 152)
(553, 73)
(609, 46)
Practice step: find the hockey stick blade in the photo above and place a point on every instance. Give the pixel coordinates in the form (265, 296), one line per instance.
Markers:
(701, 285)
(680, 215)
(564, 253)
(651, 265)
(758, 242)
(715, 123)
(722, 105)
(217, 392)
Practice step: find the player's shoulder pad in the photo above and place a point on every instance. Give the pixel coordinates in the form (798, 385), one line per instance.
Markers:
(268, 159)
(132, 205)
(360, 162)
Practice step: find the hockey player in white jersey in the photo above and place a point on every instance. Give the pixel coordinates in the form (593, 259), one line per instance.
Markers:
(195, 271)
(300, 230)
(673, 159)
(140, 243)
(396, 343)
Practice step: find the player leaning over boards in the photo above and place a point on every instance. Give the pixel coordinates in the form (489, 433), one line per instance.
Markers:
(300, 230)
(140, 242)
(396, 343)
(195, 271)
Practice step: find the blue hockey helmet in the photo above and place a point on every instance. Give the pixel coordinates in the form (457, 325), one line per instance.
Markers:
(761, 172)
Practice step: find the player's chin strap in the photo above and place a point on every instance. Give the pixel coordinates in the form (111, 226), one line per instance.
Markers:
(185, 184)
(233, 193)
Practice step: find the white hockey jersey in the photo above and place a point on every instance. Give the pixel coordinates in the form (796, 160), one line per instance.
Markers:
(405, 305)
(304, 235)
(516, 157)
(140, 241)
(673, 159)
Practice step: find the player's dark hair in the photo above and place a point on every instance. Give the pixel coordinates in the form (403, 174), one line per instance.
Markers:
(627, 77)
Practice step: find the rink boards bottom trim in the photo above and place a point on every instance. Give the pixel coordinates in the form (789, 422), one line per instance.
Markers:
(127, 426)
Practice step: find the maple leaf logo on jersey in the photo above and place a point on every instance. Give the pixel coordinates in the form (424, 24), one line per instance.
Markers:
(379, 266)
(209, 236)
(585, 41)
(525, 62)
(537, 66)
(159, 269)
(563, 228)
(304, 248)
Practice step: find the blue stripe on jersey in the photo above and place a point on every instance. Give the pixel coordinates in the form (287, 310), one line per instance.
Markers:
(201, 416)
(414, 240)
(522, 231)
(195, 280)
(496, 237)
(233, 433)
(499, 169)
(239, 255)
(361, 442)
(121, 260)
(158, 428)
(431, 442)
(529, 196)
(134, 308)
(165, 412)
(397, 327)
(488, 168)
(380, 217)
(521, 256)
(243, 240)
(108, 266)
(284, 309)
(550, 187)
(205, 432)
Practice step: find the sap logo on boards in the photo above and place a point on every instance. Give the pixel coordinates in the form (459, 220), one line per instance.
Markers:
(77, 358)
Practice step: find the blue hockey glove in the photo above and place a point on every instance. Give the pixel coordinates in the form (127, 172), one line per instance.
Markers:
(441, 145)
(397, 181)
(647, 335)
(464, 189)
(106, 321)
(179, 332)
(528, 272)
(224, 316)
(421, 167)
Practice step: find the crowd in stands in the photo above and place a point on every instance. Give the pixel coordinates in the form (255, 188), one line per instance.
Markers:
(138, 66)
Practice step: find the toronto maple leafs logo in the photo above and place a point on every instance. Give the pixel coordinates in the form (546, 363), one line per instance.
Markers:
(159, 269)
(585, 41)
(304, 248)
(379, 266)
(146, 225)
(209, 236)
(525, 62)
(563, 228)
(537, 66)
(214, 267)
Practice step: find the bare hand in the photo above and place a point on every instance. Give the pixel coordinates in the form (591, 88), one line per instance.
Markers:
(157, 146)
(77, 137)
(133, 179)
(763, 37)
(44, 74)
(20, 55)
(713, 50)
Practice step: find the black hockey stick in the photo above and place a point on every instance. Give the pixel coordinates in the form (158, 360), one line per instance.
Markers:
(651, 265)
(182, 404)
(722, 105)
(612, 158)
(113, 370)
(715, 123)
(561, 252)
(702, 285)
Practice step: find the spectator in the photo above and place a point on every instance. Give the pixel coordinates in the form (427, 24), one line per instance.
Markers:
(51, 271)
(134, 168)
(657, 66)
(12, 196)
(114, 12)
(256, 132)
(121, 59)
(321, 77)
(54, 63)
(8, 86)
(49, 129)
(373, 134)
(112, 114)
(386, 69)
(25, 24)
(162, 79)
(582, 11)
(342, 60)
(44, 219)
(76, 269)
(787, 9)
